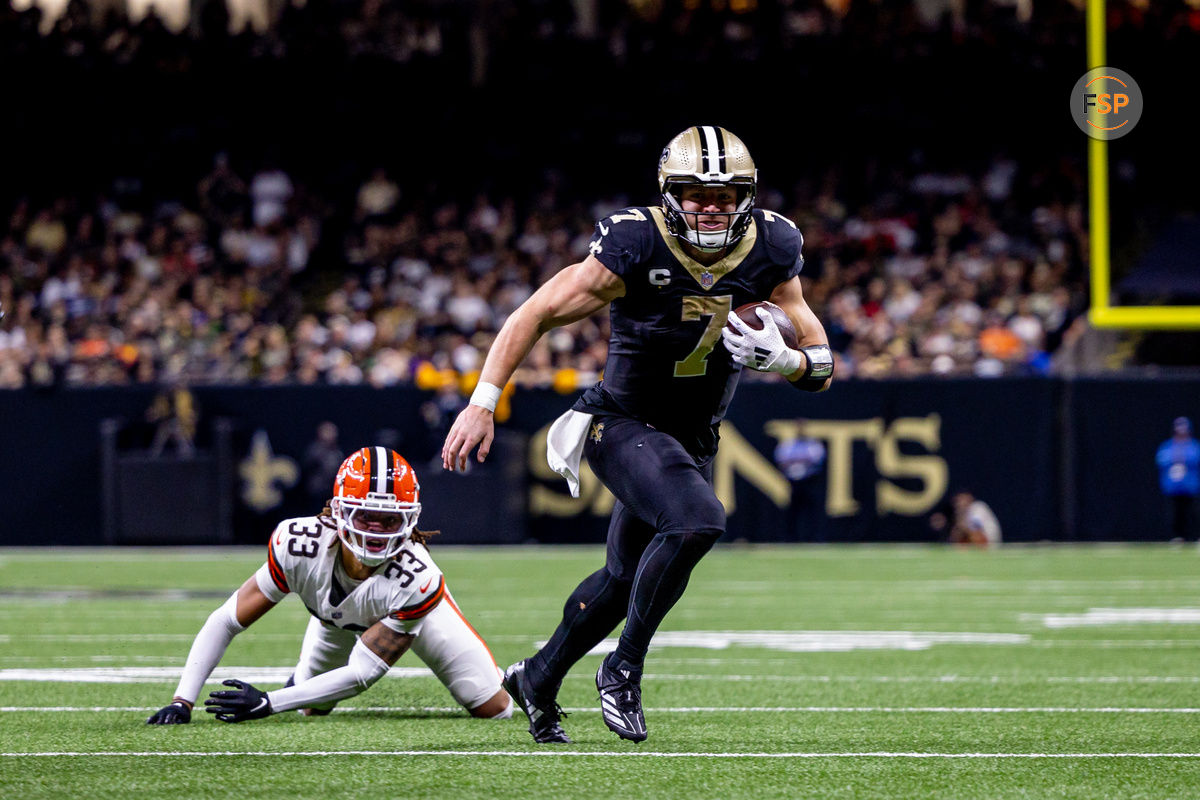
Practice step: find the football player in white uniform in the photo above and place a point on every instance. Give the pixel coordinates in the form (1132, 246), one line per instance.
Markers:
(362, 570)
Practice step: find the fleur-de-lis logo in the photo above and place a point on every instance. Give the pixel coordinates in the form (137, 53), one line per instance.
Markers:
(597, 432)
(261, 470)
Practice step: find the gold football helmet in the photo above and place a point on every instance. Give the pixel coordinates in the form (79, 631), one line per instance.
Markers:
(708, 156)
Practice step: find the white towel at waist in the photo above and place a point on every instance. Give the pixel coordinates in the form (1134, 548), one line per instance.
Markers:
(564, 446)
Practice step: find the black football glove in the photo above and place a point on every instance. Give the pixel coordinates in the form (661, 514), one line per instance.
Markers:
(178, 713)
(244, 703)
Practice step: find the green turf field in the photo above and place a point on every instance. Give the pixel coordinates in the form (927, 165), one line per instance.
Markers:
(846, 672)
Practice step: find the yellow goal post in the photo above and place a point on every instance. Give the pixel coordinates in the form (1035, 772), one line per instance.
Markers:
(1102, 314)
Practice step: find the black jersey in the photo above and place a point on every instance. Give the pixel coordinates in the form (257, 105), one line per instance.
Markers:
(667, 365)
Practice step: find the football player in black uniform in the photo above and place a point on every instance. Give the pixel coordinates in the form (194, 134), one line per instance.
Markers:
(672, 274)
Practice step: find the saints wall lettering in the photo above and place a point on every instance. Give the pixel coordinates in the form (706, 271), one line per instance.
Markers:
(738, 458)
(840, 436)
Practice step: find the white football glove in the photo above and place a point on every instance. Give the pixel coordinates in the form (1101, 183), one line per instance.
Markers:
(762, 350)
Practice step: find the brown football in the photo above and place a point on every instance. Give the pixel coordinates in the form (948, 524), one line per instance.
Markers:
(780, 316)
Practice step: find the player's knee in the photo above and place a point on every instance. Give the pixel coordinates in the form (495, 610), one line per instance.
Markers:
(704, 518)
(622, 575)
(323, 711)
(602, 587)
(498, 706)
(693, 545)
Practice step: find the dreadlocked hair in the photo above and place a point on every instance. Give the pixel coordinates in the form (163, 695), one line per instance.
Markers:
(419, 536)
(422, 537)
(326, 517)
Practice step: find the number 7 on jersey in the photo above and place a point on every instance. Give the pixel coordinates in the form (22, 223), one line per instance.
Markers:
(695, 307)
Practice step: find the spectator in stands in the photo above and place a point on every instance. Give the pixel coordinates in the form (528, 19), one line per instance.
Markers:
(1178, 460)
(222, 193)
(270, 192)
(377, 198)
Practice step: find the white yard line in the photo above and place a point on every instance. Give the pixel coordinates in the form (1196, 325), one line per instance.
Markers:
(1188, 615)
(1115, 644)
(710, 709)
(727, 678)
(278, 674)
(169, 674)
(945, 637)
(580, 754)
(1027, 586)
(6, 638)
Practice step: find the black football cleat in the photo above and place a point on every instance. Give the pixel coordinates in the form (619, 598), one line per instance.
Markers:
(543, 717)
(621, 703)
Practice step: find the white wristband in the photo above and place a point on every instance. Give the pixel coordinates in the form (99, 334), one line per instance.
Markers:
(789, 361)
(486, 395)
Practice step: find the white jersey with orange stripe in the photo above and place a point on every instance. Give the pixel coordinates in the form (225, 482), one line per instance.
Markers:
(303, 558)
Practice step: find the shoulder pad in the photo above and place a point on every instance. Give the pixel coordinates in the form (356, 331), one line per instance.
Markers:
(626, 229)
(783, 241)
(778, 231)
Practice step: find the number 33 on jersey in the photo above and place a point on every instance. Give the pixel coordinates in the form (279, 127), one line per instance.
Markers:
(301, 559)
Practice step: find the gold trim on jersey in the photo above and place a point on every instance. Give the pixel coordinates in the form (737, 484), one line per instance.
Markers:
(705, 275)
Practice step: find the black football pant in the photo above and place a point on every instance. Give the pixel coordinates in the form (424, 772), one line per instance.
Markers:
(665, 519)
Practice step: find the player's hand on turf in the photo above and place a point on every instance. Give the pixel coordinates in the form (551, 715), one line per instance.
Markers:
(763, 350)
(473, 426)
(242, 703)
(178, 713)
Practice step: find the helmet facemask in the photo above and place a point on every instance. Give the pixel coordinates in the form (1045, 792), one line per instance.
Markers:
(713, 158)
(376, 527)
(376, 503)
(685, 224)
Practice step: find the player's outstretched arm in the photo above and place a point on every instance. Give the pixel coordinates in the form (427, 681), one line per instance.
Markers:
(243, 607)
(379, 648)
(574, 293)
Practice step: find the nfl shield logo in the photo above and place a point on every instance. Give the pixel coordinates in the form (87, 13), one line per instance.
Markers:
(706, 280)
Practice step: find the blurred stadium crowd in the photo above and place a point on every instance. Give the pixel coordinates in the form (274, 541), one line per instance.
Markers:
(945, 274)
(257, 268)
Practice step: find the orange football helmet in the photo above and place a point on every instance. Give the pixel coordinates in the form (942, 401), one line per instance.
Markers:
(376, 503)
